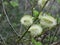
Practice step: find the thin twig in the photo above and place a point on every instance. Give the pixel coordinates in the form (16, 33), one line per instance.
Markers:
(8, 18)
(51, 5)
(34, 21)
(3, 40)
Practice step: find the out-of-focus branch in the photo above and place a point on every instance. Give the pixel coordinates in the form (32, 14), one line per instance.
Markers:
(3, 40)
(49, 10)
(8, 18)
(57, 28)
(56, 43)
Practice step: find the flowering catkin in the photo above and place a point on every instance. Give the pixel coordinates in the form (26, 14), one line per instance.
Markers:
(27, 20)
(47, 21)
(35, 30)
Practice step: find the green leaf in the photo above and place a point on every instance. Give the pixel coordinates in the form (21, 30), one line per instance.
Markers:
(35, 13)
(58, 1)
(55, 38)
(33, 41)
(59, 20)
(5, 3)
(36, 43)
(14, 3)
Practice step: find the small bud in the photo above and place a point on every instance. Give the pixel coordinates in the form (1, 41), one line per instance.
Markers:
(35, 30)
(27, 20)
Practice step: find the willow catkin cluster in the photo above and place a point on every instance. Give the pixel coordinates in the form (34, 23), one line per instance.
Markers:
(45, 21)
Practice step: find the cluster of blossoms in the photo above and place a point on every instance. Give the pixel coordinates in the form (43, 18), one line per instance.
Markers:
(35, 29)
(45, 21)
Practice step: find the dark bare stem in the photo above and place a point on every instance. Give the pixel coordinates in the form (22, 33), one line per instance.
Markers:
(23, 34)
(30, 26)
(8, 18)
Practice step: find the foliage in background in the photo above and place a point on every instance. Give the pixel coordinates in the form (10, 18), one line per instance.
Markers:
(15, 10)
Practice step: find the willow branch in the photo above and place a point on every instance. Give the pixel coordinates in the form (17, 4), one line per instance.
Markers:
(32, 24)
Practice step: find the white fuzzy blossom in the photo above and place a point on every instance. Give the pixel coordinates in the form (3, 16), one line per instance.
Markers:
(27, 20)
(35, 30)
(41, 2)
(47, 21)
